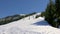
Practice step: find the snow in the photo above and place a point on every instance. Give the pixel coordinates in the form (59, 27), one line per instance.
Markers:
(29, 26)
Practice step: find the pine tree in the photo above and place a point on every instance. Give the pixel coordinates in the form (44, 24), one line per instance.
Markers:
(50, 10)
(50, 14)
(58, 10)
(58, 7)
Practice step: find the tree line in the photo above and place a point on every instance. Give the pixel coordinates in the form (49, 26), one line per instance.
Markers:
(12, 18)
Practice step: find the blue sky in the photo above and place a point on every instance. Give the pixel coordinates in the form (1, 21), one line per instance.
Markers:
(11, 7)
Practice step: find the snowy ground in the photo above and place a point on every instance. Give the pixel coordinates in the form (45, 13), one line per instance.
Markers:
(29, 26)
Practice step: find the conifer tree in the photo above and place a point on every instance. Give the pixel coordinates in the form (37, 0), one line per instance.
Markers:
(58, 10)
(50, 10)
(50, 14)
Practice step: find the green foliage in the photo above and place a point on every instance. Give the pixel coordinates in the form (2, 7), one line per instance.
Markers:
(42, 14)
(58, 10)
(37, 16)
(12, 18)
(50, 14)
(8, 19)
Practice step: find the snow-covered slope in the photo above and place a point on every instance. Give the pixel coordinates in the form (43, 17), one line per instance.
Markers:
(29, 25)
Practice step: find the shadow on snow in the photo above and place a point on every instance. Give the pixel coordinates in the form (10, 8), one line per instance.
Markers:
(41, 23)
